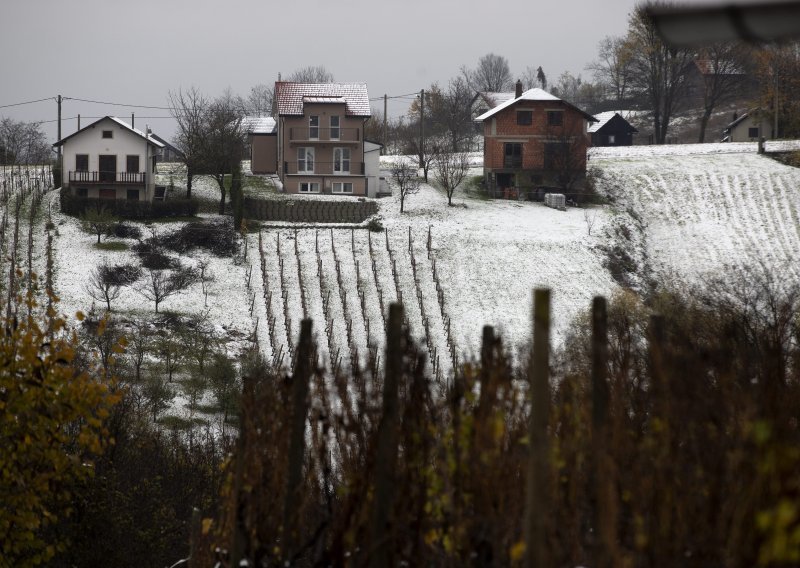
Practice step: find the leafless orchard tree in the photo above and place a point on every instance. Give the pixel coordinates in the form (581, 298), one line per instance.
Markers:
(106, 281)
(159, 285)
(450, 170)
(404, 173)
(97, 221)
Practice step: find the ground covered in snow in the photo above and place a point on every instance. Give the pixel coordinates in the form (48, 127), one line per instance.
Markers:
(707, 208)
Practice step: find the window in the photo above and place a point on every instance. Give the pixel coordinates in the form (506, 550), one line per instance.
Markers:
(82, 192)
(341, 160)
(313, 128)
(334, 128)
(555, 117)
(81, 162)
(133, 194)
(309, 187)
(132, 164)
(524, 117)
(752, 132)
(305, 160)
(108, 134)
(512, 155)
(342, 187)
(612, 139)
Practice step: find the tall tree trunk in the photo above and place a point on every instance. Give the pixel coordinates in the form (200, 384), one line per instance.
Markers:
(189, 176)
(704, 124)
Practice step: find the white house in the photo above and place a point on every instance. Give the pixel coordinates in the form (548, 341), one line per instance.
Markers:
(109, 159)
(749, 127)
(372, 153)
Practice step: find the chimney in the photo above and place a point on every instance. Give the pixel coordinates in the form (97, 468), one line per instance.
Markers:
(518, 89)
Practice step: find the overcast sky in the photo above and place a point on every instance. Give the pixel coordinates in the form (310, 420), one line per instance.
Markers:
(135, 52)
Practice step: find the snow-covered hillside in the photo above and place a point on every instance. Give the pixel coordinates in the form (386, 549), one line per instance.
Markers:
(706, 211)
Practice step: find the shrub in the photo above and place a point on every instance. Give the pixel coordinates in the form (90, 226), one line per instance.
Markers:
(218, 237)
(125, 231)
(375, 225)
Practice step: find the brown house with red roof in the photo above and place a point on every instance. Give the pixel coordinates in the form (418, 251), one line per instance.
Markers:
(534, 143)
(321, 137)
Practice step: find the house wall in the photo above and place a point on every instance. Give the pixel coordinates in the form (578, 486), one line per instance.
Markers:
(503, 128)
(264, 153)
(123, 144)
(351, 136)
(741, 132)
(372, 167)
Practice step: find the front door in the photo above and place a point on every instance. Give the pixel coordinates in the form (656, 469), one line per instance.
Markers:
(108, 168)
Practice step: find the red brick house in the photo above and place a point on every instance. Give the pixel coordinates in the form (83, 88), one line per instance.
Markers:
(534, 143)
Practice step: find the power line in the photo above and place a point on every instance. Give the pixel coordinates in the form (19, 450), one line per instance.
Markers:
(27, 102)
(115, 104)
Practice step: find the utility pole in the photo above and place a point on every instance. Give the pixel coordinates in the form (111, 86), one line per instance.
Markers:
(385, 119)
(422, 128)
(58, 156)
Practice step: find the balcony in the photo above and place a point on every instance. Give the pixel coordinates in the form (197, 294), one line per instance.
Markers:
(126, 178)
(322, 169)
(317, 134)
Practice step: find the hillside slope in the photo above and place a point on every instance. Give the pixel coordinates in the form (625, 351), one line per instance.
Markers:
(705, 213)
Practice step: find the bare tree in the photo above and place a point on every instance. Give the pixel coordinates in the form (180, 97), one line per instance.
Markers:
(450, 170)
(22, 143)
(532, 78)
(260, 100)
(613, 67)
(568, 86)
(97, 221)
(565, 154)
(311, 74)
(190, 110)
(723, 81)
(225, 140)
(161, 284)
(404, 173)
(139, 346)
(492, 74)
(450, 111)
(658, 70)
(106, 281)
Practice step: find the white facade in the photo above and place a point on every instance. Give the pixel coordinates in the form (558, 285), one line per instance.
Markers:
(372, 153)
(87, 178)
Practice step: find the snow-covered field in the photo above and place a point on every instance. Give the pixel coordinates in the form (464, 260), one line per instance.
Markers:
(707, 211)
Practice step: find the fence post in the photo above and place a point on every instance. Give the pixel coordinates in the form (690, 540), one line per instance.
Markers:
(536, 505)
(605, 513)
(300, 380)
(380, 549)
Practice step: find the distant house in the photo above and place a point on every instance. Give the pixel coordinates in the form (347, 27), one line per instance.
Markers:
(611, 130)
(262, 137)
(168, 153)
(699, 74)
(321, 137)
(749, 127)
(109, 159)
(534, 142)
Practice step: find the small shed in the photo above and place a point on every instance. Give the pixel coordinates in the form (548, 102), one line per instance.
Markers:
(262, 136)
(749, 127)
(611, 129)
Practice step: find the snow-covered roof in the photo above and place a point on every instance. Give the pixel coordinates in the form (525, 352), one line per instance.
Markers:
(535, 94)
(150, 139)
(259, 124)
(604, 117)
(291, 96)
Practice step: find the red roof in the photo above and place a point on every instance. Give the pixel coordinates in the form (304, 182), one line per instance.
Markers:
(290, 97)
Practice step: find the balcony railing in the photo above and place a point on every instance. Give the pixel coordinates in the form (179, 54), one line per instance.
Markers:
(317, 134)
(107, 177)
(323, 169)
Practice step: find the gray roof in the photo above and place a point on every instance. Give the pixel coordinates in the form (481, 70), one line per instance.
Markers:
(259, 125)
